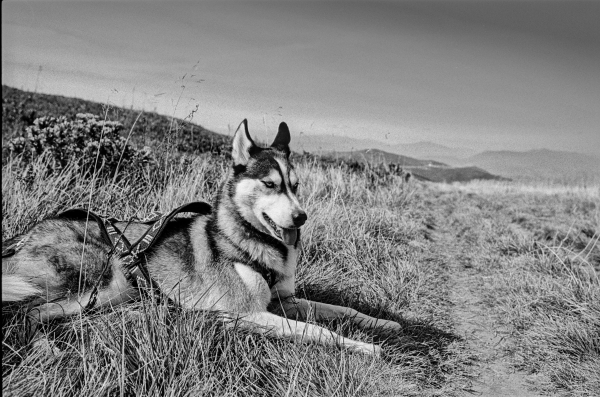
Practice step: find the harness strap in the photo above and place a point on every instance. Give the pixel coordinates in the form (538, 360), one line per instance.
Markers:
(110, 233)
(151, 235)
(81, 213)
(13, 248)
(133, 255)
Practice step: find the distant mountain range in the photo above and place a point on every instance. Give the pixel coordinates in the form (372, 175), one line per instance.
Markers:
(541, 165)
(423, 150)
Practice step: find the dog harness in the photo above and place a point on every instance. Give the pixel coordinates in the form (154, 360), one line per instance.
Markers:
(133, 255)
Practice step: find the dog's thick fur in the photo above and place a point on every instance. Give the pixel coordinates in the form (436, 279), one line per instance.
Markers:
(207, 262)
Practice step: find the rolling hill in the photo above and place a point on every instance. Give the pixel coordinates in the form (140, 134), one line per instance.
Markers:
(428, 170)
(380, 156)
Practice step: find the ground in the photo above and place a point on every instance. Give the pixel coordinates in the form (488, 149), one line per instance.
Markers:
(495, 284)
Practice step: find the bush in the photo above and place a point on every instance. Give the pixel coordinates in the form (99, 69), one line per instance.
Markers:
(376, 174)
(88, 144)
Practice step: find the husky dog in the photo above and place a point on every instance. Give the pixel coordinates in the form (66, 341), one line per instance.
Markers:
(239, 259)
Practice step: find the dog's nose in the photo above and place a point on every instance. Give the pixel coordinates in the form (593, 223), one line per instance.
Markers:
(299, 218)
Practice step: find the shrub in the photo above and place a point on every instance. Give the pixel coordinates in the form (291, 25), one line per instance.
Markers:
(376, 174)
(88, 144)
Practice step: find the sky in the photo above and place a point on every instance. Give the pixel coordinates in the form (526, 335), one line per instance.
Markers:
(488, 75)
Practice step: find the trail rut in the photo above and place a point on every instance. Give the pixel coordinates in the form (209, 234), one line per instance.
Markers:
(495, 375)
(493, 372)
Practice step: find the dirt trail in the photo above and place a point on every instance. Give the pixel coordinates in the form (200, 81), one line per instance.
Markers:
(474, 323)
(494, 376)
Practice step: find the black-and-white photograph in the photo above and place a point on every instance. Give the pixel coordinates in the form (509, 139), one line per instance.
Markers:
(301, 198)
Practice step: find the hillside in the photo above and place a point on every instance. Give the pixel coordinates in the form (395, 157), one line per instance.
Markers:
(495, 286)
(21, 108)
(321, 144)
(427, 170)
(453, 174)
(380, 156)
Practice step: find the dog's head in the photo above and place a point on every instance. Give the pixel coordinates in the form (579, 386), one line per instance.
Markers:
(264, 185)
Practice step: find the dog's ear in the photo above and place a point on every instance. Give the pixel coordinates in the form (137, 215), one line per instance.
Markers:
(242, 144)
(282, 140)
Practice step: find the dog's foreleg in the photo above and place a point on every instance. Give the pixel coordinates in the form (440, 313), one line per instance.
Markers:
(303, 309)
(265, 323)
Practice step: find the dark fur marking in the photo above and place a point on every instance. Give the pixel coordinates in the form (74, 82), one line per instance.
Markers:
(59, 243)
(71, 263)
(263, 162)
(211, 227)
(176, 239)
(283, 187)
(80, 237)
(255, 150)
(238, 169)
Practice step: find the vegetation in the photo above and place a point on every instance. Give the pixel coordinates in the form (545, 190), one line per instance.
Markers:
(155, 350)
(528, 255)
(533, 251)
(21, 108)
(90, 145)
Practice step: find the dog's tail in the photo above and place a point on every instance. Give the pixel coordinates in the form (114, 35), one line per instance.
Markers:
(17, 288)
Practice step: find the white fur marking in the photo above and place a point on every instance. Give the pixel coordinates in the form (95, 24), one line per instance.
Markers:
(275, 177)
(252, 280)
(16, 288)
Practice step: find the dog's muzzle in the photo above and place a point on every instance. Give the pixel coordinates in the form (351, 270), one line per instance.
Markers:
(288, 235)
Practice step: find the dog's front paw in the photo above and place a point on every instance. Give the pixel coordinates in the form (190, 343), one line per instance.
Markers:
(382, 325)
(367, 348)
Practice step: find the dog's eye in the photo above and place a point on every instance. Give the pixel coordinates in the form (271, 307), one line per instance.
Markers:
(295, 187)
(269, 184)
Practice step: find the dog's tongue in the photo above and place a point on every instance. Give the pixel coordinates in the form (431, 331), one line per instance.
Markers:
(289, 236)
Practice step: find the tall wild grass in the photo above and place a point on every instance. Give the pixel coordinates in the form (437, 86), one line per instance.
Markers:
(357, 252)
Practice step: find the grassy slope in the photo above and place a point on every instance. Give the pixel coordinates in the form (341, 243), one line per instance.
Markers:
(534, 257)
(20, 108)
(369, 247)
(357, 252)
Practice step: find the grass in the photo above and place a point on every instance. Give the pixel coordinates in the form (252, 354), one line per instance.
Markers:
(391, 250)
(533, 251)
(356, 252)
